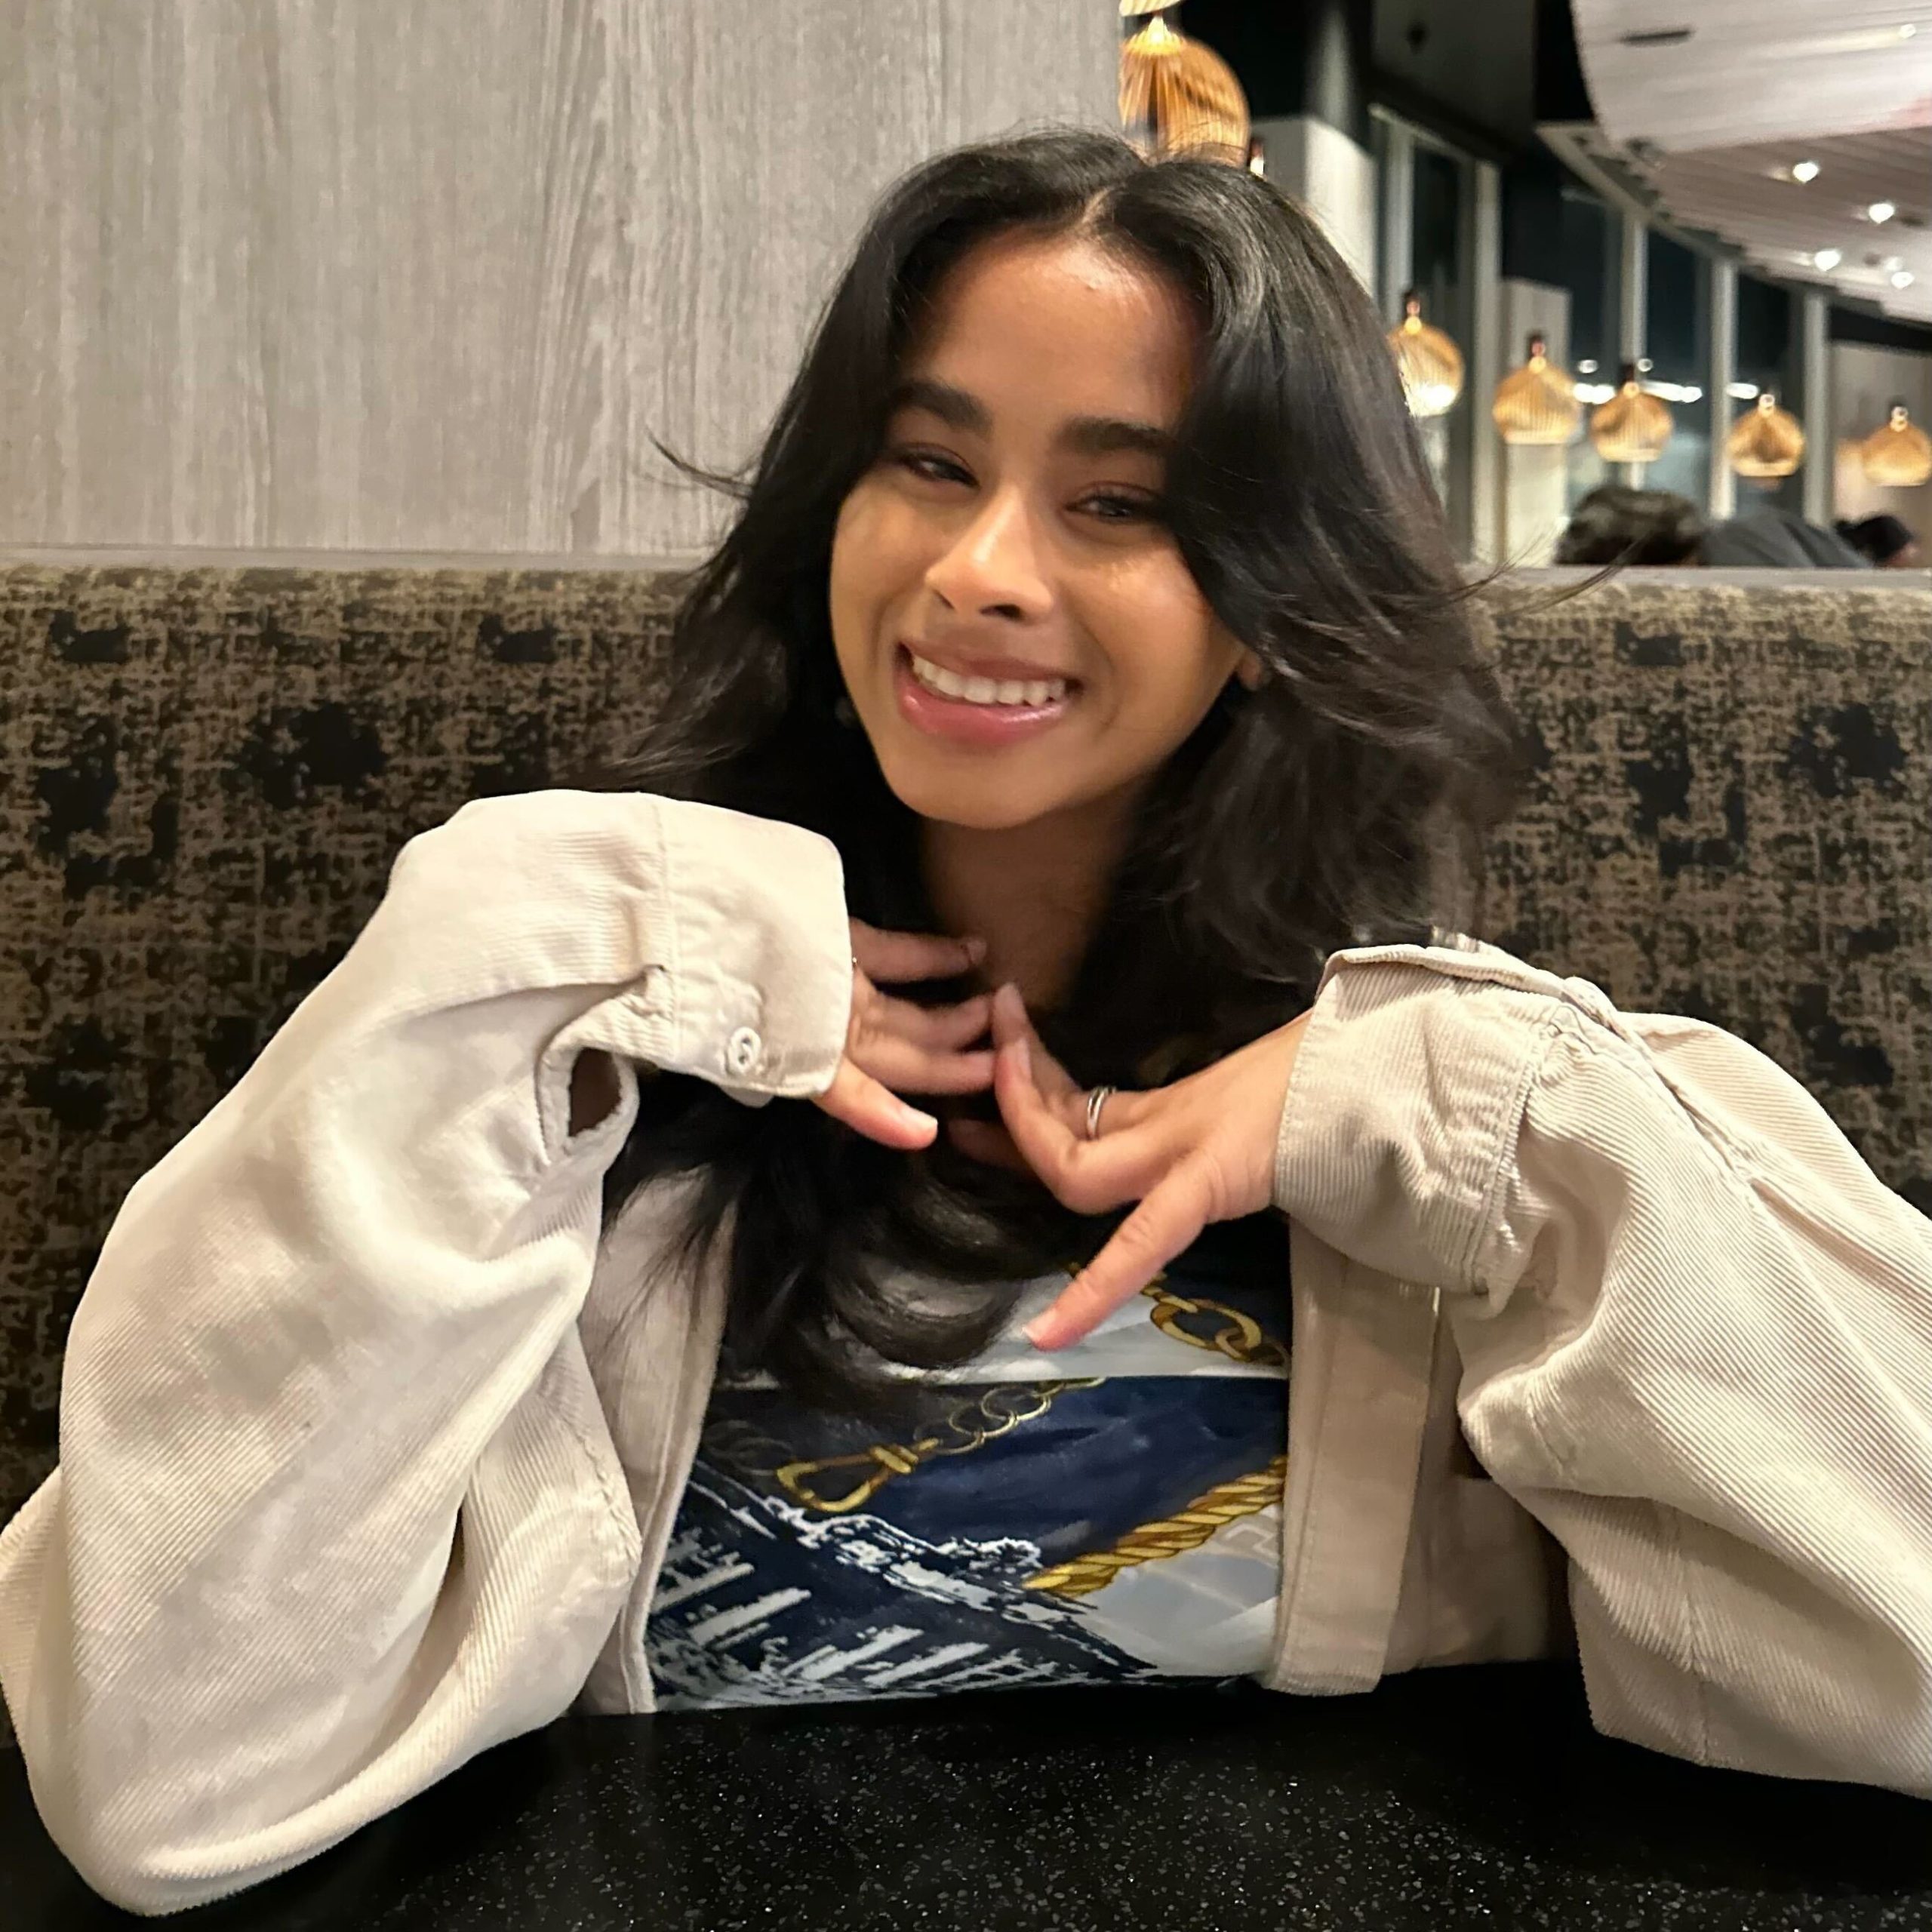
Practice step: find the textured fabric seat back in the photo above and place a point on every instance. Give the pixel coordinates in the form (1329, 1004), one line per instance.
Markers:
(1731, 818)
(205, 775)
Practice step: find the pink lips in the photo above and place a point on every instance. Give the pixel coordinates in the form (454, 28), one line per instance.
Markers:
(954, 718)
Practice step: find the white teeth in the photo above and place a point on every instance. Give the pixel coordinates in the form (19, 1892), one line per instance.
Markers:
(987, 691)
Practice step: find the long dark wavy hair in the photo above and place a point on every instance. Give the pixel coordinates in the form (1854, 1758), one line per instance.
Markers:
(1346, 800)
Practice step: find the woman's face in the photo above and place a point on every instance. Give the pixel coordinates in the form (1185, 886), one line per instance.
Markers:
(1014, 622)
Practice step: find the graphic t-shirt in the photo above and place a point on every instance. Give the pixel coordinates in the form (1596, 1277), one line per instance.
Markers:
(1108, 1513)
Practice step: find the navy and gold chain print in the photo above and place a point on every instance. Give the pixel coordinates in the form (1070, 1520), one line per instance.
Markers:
(1110, 1513)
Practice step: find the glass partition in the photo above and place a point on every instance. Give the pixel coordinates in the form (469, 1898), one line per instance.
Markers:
(1767, 358)
(1677, 341)
(1441, 220)
(1587, 264)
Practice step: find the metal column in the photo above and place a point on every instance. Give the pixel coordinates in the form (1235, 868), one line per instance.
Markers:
(1485, 363)
(1633, 293)
(1398, 252)
(1721, 498)
(1815, 381)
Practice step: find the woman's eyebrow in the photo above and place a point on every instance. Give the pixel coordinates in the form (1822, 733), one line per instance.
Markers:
(1108, 436)
(955, 407)
(1086, 436)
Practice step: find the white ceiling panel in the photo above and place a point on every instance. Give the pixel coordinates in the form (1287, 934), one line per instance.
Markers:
(1711, 103)
(1747, 195)
(1690, 74)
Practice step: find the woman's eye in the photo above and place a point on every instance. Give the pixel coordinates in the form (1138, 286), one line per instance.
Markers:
(929, 467)
(1107, 508)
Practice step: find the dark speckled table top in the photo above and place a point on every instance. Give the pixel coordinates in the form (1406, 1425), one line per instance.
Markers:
(1451, 1798)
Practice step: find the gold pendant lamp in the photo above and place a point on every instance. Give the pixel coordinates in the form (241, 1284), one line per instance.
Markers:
(1765, 440)
(1177, 97)
(1537, 403)
(1430, 364)
(1632, 427)
(1898, 453)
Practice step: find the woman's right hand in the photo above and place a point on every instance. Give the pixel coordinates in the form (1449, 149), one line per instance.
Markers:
(897, 1046)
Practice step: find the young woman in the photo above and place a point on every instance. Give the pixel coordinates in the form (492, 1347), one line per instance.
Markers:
(601, 1279)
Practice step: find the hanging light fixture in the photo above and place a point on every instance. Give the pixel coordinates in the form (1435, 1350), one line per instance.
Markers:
(1632, 427)
(1898, 453)
(1765, 440)
(1177, 97)
(1430, 364)
(1537, 403)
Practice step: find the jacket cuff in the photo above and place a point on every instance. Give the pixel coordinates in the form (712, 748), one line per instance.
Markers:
(743, 972)
(1403, 1110)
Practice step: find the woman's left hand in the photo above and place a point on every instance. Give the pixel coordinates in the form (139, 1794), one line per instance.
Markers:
(1201, 1150)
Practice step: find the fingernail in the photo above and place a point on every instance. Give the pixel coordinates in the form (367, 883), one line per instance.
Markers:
(913, 1117)
(1040, 1332)
(1025, 1057)
(976, 949)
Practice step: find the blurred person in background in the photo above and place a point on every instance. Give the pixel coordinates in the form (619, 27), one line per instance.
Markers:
(1884, 542)
(1616, 525)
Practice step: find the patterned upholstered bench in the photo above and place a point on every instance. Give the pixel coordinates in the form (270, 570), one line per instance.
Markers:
(205, 773)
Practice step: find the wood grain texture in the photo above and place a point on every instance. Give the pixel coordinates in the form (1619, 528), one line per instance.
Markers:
(343, 274)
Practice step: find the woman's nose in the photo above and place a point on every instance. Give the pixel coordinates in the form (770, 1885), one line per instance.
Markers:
(994, 566)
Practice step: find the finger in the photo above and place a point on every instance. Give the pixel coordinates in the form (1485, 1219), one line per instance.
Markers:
(1164, 1226)
(1062, 1093)
(946, 1028)
(907, 1068)
(1087, 1176)
(890, 958)
(1012, 1021)
(856, 1098)
(987, 1142)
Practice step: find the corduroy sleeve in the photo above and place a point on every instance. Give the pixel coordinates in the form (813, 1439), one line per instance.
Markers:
(337, 1506)
(1696, 1338)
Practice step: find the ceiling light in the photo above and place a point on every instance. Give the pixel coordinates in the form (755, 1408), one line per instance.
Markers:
(1827, 259)
(1587, 367)
(1907, 31)
(1882, 210)
(1431, 365)
(1537, 403)
(1644, 365)
(1805, 171)
(1631, 427)
(1744, 392)
(1849, 40)
(1902, 278)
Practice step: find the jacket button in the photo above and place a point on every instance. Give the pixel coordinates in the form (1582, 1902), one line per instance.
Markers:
(743, 1051)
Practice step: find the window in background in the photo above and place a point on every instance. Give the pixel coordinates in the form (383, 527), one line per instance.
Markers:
(1443, 215)
(1588, 264)
(1677, 341)
(1768, 359)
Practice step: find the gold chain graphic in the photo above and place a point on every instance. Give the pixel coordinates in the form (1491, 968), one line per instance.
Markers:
(1003, 1408)
(1241, 1338)
(995, 1413)
(1226, 1503)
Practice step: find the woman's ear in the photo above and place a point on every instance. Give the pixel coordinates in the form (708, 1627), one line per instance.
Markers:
(1249, 670)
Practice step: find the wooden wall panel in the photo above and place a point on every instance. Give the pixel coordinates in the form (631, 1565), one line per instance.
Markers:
(346, 274)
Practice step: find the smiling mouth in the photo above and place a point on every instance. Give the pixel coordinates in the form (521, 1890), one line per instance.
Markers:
(992, 693)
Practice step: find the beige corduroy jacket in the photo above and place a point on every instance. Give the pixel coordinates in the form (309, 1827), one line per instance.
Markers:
(371, 1437)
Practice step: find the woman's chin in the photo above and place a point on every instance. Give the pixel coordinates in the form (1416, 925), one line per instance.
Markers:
(987, 802)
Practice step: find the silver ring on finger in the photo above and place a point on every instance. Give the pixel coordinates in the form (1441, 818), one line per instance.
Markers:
(1096, 1101)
